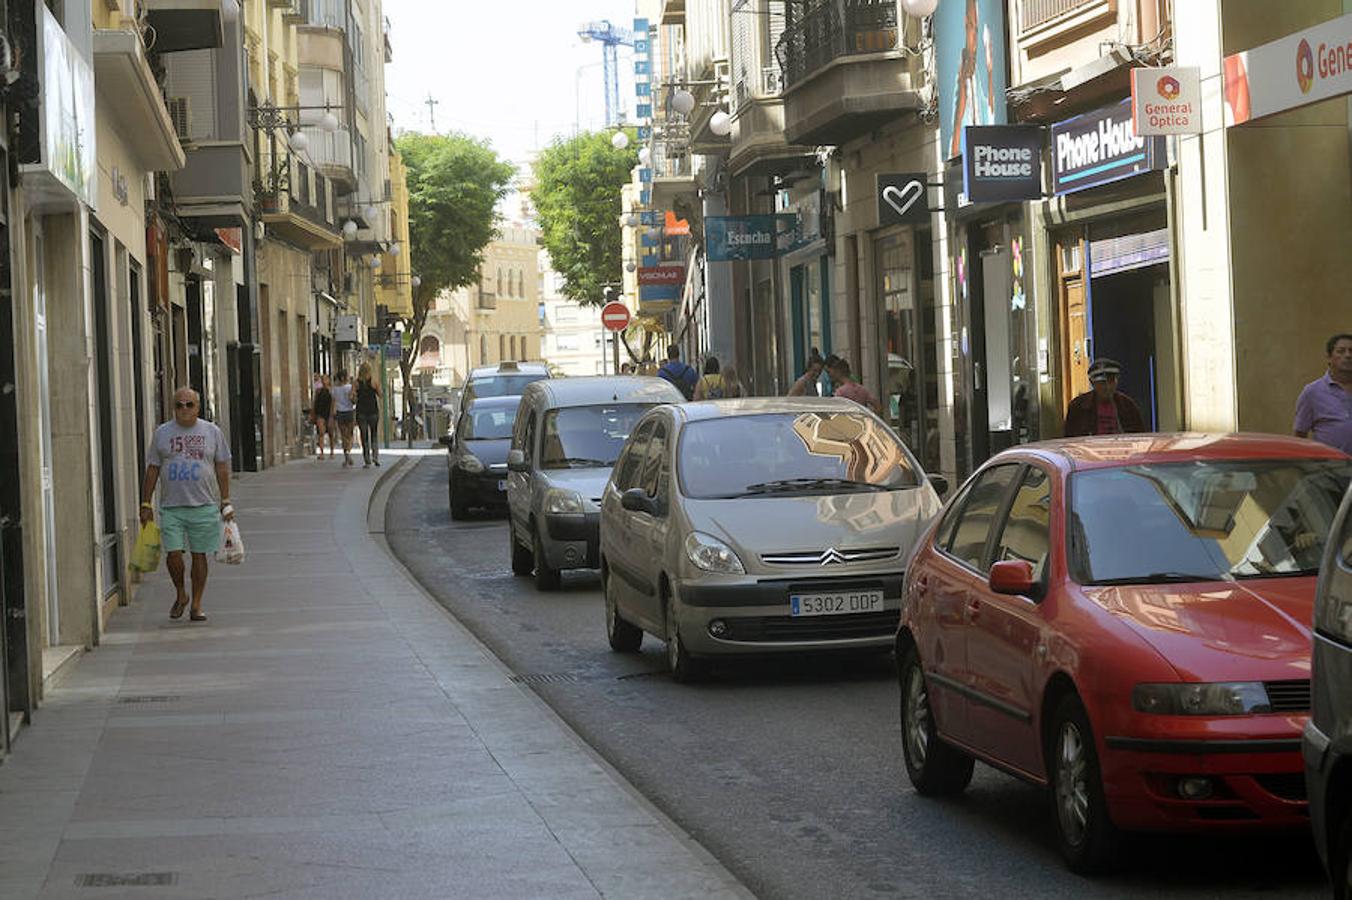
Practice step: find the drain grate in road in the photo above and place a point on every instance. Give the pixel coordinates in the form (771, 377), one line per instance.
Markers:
(545, 678)
(149, 698)
(118, 879)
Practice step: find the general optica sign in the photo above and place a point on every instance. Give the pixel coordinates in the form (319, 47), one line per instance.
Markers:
(1099, 147)
(1166, 100)
(1305, 67)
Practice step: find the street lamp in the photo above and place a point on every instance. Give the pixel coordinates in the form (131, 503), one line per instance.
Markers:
(350, 230)
(920, 8)
(683, 101)
(298, 141)
(645, 157)
(720, 123)
(619, 140)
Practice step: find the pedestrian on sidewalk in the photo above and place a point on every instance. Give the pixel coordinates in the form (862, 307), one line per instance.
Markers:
(194, 498)
(710, 386)
(322, 409)
(1324, 408)
(847, 387)
(678, 373)
(1103, 409)
(368, 415)
(732, 385)
(345, 412)
(806, 385)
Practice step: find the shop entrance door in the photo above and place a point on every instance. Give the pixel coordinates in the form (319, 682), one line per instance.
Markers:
(1075, 351)
(45, 433)
(110, 561)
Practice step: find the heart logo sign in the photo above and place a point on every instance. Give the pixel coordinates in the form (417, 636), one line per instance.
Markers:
(903, 198)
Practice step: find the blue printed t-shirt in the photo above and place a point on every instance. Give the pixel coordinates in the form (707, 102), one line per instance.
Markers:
(187, 460)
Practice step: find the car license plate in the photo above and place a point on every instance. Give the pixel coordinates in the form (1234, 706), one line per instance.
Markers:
(502, 485)
(838, 604)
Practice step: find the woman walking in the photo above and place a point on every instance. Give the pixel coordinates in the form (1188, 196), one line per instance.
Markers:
(732, 385)
(345, 411)
(322, 410)
(710, 385)
(368, 415)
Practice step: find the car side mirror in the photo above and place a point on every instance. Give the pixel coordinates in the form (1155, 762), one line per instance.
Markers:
(1014, 576)
(635, 500)
(516, 461)
(447, 441)
(939, 483)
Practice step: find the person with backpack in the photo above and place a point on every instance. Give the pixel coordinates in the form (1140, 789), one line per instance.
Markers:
(711, 386)
(678, 373)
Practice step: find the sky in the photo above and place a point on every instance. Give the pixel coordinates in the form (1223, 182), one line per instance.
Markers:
(512, 71)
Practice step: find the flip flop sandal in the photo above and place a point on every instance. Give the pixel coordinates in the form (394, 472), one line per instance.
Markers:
(198, 616)
(176, 611)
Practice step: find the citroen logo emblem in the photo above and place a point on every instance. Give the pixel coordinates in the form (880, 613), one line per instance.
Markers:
(832, 557)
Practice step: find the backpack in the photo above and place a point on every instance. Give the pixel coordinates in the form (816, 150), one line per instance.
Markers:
(679, 374)
(713, 392)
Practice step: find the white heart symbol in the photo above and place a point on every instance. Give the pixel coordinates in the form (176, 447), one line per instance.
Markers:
(903, 198)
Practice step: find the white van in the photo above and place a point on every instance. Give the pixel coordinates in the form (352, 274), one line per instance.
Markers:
(568, 434)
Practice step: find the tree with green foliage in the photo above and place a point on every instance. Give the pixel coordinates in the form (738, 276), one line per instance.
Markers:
(577, 202)
(454, 184)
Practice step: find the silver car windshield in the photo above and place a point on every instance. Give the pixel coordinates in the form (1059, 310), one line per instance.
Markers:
(791, 453)
(1203, 521)
(586, 437)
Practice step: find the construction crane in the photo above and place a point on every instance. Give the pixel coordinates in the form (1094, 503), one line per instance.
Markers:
(609, 37)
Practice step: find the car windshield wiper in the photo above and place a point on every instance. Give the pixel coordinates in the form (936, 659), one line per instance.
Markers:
(787, 485)
(579, 462)
(1163, 578)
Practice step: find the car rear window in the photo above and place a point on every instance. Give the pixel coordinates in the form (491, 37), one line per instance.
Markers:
(501, 385)
(1203, 521)
(803, 453)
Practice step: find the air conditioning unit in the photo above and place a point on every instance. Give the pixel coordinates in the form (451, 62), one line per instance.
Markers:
(180, 113)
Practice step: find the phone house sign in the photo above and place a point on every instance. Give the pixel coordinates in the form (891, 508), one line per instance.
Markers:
(1099, 147)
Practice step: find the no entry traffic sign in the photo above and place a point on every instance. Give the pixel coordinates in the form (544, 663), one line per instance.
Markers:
(615, 316)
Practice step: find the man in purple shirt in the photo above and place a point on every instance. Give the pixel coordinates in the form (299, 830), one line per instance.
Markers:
(1324, 409)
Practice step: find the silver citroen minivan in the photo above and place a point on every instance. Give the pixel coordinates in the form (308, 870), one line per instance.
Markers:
(567, 435)
(763, 525)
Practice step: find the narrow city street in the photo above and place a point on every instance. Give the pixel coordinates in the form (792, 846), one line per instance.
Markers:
(789, 772)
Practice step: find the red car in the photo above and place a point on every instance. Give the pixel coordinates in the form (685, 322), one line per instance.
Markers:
(1127, 621)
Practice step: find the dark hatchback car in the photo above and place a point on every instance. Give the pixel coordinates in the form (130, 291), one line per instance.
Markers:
(476, 458)
(1328, 735)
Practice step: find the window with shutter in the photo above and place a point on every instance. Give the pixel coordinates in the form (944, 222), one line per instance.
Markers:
(192, 77)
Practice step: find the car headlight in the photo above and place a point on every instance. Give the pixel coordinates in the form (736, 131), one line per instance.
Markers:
(561, 501)
(469, 463)
(1222, 699)
(712, 555)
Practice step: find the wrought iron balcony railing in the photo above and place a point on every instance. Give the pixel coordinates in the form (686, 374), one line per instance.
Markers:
(820, 31)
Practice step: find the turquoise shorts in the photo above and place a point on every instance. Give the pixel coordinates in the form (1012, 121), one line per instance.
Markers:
(193, 528)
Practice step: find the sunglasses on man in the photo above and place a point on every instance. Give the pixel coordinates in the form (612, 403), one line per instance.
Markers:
(184, 404)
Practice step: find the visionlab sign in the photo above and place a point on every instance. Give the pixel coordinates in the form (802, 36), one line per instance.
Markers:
(1002, 162)
(1099, 147)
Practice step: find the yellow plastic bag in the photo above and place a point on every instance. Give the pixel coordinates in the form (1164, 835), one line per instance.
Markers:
(146, 555)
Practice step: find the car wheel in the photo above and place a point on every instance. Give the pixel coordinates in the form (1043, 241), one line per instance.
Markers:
(523, 561)
(935, 767)
(1084, 832)
(1340, 863)
(624, 637)
(546, 577)
(458, 510)
(683, 667)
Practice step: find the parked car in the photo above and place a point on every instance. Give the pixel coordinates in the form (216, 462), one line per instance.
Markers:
(1125, 620)
(759, 526)
(476, 455)
(1328, 735)
(568, 433)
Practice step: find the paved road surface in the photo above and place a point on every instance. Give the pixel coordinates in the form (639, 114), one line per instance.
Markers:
(789, 772)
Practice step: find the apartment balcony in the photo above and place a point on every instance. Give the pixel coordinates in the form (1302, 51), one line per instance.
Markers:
(674, 181)
(487, 300)
(673, 12)
(326, 14)
(296, 205)
(844, 70)
(294, 12)
(129, 88)
(184, 24)
(331, 152)
(758, 143)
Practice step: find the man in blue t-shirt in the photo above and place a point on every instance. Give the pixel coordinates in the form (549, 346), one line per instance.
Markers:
(678, 373)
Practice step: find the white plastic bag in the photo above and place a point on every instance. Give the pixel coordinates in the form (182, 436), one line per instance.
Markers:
(232, 545)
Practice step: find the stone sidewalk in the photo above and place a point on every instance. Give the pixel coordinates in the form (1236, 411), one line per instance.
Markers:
(330, 732)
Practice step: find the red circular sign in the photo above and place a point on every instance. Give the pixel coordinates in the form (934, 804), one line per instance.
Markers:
(615, 316)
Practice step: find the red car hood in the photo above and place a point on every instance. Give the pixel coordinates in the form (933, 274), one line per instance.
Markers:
(1254, 630)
